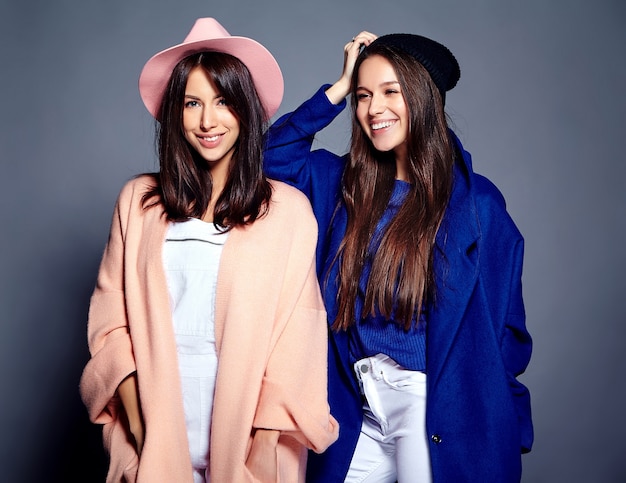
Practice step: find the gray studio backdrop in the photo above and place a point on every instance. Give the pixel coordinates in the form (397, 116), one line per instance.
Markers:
(540, 105)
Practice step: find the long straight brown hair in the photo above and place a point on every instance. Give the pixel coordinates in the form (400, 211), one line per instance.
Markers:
(402, 277)
(184, 184)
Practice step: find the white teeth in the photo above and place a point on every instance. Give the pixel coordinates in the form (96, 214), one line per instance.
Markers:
(211, 139)
(381, 125)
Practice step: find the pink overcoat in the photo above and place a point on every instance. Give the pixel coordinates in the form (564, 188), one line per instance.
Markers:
(271, 336)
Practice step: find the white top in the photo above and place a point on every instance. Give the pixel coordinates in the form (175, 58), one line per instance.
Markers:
(191, 256)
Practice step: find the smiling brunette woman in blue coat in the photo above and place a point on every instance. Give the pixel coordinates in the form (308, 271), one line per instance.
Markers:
(420, 268)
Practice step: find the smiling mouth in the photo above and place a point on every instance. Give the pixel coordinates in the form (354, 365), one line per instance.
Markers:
(211, 139)
(382, 125)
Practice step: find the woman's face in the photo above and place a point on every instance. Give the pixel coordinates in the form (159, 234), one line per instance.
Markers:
(208, 123)
(381, 110)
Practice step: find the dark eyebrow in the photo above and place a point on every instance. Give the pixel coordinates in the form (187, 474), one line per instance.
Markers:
(196, 98)
(383, 84)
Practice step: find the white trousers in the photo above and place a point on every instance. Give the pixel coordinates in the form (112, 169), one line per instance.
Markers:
(393, 445)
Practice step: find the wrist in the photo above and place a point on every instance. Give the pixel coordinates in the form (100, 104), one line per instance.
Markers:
(338, 91)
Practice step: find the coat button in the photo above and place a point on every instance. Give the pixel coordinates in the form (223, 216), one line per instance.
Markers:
(364, 368)
(435, 438)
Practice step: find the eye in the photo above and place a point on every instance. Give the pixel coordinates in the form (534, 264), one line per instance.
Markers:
(192, 103)
(391, 91)
(362, 96)
(222, 102)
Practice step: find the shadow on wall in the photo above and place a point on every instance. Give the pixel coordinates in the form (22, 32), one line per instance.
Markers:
(81, 456)
(50, 437)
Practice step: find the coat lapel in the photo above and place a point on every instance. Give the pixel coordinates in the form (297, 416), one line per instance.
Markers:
(456, 262)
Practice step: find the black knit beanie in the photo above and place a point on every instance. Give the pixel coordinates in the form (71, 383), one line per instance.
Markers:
(435, 57)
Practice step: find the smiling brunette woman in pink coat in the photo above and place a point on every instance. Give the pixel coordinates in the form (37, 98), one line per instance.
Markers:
(206, 329)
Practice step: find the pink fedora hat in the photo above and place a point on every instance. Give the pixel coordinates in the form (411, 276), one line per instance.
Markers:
(208, 34)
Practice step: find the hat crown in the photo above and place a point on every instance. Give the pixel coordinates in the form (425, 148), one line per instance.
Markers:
(436, 58)
(205, 29)
(207, 34)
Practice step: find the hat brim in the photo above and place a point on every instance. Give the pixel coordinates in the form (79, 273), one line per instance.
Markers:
(266, 73)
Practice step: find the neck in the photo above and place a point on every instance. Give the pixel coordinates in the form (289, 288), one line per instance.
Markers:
(402, 172)
(401, 156)
(218, 182)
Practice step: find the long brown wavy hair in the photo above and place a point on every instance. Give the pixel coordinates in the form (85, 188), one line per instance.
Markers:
(184, 183)
(402, 276)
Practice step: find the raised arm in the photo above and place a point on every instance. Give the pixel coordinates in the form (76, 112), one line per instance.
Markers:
(288, 155)
(288, 150)
(340, 89)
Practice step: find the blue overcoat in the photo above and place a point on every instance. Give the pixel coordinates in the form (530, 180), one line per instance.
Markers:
(478, 413)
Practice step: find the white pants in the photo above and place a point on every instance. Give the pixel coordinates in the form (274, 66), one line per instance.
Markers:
(393, 445)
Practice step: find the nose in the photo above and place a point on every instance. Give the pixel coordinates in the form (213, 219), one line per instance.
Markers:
(207, 120)
(377, 105)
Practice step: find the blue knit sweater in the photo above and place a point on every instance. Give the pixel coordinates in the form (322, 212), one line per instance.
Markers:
(374, 334)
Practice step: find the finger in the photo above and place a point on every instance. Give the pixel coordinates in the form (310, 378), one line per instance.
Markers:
(361, 40)
(365, 37)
